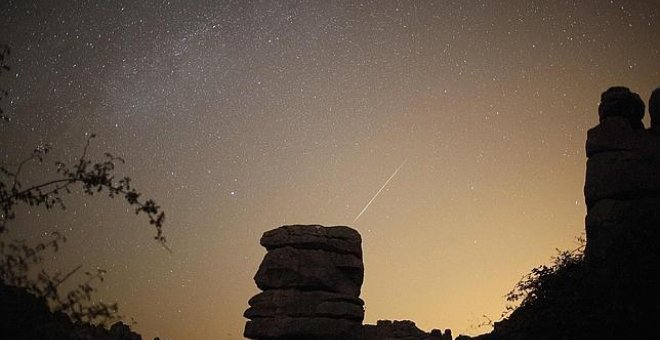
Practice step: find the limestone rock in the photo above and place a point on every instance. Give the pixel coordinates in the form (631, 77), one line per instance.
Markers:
(622, 174)
(310, 269)
(294, 303)
(616, 134)
(623, 160)
(311, 279)
(622, 189)
(624, 231)
(315, 328)
(338, 239)
(619, 101)
(401, 330)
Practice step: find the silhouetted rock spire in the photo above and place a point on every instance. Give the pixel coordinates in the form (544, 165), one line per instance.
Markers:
(311, 279)
(622, 185)
(622, 192)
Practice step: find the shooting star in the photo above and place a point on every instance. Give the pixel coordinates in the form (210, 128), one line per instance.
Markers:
(381, 189)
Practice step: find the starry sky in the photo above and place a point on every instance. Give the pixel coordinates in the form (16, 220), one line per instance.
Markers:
(241, 116)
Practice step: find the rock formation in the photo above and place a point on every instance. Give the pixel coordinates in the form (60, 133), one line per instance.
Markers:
(622, 191)
(400, 330)
(622, 188)
(311, 279)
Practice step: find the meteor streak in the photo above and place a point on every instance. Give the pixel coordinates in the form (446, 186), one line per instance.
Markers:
(379, 190)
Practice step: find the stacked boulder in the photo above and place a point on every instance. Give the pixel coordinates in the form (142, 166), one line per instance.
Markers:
(622, 192)
(311, 279)
(622, 186)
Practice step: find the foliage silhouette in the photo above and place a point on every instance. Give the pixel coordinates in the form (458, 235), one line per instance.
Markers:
(92, 177)
(19, 260)
(570, 300)
(541, 282)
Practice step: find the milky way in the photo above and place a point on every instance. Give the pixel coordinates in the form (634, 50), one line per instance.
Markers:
(241, 116)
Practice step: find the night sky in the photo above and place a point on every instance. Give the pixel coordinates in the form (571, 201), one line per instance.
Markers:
(240, 116)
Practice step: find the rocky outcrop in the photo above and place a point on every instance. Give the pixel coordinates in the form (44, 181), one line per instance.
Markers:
(622, 187)
(622, 192)
(401, 330)
(311, 279)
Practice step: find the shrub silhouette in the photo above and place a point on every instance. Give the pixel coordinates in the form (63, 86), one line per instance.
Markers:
(19, 260)
(569, 300)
